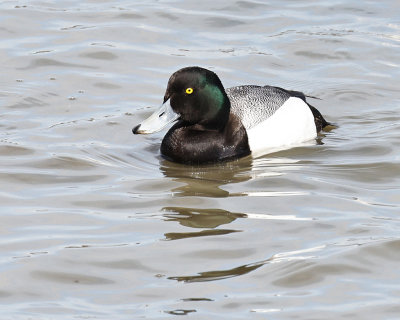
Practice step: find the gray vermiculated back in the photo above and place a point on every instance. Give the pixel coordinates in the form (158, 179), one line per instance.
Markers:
(254, 104)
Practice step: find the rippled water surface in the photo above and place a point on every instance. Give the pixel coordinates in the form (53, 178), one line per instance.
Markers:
(96, 225)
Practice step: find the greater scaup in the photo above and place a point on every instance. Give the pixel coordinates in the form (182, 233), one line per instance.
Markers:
(214, 124)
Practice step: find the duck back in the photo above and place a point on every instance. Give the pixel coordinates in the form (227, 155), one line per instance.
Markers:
(254, 104)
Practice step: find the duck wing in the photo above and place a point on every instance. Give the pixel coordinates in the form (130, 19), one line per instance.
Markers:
(254, 104)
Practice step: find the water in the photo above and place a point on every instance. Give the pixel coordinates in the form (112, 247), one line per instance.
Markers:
(96, 225)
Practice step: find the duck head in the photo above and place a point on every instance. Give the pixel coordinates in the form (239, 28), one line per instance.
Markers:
(194, 96)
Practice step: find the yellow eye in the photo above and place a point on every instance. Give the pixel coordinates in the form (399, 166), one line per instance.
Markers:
(189, 90)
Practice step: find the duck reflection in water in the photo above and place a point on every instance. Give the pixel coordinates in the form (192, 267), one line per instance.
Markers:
(210, 181)
(209, 220)
(207, 180)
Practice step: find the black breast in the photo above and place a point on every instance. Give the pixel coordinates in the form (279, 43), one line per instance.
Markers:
(197, 145)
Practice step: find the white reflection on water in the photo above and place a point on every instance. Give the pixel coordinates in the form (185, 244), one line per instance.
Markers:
(274, 193)
(277, 217)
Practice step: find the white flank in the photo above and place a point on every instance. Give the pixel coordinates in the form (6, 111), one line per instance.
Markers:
(292, 124)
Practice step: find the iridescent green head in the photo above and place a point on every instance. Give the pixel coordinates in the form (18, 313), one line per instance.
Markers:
(198, 96)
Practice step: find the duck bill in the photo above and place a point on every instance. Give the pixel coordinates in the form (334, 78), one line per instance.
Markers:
(158, 120)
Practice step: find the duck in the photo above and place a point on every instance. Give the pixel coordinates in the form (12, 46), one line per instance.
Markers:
(211, 124)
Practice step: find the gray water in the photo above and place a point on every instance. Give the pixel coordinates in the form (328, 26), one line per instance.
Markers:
(95, 224)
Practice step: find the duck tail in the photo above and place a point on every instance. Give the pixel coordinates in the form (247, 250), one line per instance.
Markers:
(320, 122)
